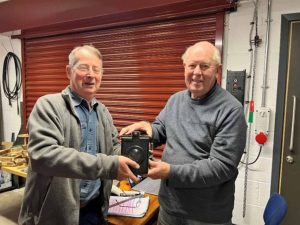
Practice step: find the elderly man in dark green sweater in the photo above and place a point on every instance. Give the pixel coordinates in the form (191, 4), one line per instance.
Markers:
(204, 130)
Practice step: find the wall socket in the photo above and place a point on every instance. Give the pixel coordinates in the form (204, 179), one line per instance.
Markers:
(262, 120)
(235, 84)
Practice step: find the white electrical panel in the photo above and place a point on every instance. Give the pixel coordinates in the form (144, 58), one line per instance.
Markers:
(262, 120)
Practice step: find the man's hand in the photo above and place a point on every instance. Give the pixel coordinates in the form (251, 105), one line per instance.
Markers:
(158, 170)
(143, 125)
(124, 171)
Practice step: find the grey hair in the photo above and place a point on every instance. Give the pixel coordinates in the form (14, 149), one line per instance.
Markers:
(216, 55)
(90, 48)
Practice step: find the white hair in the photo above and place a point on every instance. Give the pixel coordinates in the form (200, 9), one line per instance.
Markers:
(216, 55)
(90, 48)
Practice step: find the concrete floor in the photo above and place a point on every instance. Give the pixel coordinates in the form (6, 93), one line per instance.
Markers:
(10, 203)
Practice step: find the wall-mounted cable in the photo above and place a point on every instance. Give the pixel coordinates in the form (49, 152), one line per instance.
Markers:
(14, 93)
(255, 160)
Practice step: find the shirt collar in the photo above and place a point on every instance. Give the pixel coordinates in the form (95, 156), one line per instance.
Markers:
(77, 100)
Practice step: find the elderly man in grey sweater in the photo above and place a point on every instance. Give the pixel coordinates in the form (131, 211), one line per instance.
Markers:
(204, 130)
(73, 149)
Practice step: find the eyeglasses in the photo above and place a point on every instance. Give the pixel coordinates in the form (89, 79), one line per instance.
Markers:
(85, 68)
(133, 203)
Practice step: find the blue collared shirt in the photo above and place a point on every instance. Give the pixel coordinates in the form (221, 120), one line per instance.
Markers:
(89, 189)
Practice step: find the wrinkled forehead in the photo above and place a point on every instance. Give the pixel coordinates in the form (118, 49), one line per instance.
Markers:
(200, 55)
(85, 56)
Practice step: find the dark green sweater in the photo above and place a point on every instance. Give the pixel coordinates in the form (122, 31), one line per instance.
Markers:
(205, 140)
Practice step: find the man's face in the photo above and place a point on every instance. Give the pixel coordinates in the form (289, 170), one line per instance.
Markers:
(200, 71)
(85, 76)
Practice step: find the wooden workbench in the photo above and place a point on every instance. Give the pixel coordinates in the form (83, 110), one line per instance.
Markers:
(16, 170)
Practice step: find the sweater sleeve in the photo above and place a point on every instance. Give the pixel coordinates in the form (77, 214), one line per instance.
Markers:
(159, 130)
(225, 154)
(51, 156)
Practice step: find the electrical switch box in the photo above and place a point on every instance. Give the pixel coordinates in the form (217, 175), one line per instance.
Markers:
(236, 84)
(262, 120)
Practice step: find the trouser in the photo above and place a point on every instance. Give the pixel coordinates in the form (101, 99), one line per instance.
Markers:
(90, 214)
(165, 218)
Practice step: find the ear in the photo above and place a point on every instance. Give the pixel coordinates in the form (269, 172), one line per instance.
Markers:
(219, 70)
(68, 71)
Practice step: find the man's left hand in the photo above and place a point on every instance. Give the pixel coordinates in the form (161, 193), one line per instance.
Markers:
(158, 170)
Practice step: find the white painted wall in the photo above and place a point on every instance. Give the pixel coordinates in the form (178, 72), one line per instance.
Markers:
(237, 57)
(11, 119)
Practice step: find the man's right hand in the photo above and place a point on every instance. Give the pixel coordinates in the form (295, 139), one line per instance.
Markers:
(124, 171)
(143, 125)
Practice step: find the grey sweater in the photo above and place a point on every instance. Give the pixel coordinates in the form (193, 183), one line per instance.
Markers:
(205, 140)
(57, 166)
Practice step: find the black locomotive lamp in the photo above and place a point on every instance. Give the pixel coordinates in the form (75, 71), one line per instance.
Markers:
(136, 146)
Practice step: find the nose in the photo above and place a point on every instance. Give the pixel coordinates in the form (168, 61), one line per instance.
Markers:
(197, 70)
(89, 75)
(91, 72)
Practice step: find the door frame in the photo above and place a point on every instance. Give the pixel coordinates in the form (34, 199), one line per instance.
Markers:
(286, 19)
